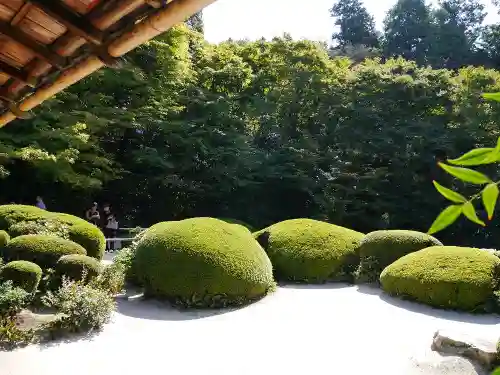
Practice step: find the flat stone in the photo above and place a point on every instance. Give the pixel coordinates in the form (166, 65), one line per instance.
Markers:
(482, 351)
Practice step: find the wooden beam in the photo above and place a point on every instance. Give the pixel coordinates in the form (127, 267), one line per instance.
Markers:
(73, 22)
(38, 49)
(17, 74)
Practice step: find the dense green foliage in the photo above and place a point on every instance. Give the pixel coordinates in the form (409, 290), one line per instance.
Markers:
(310, 251)
(75, 266)
(23, 274)
(42, 250)
(446, 277)
(21, 220)
(203, 262)
(381, 248)
(256, 131)
(4, 238)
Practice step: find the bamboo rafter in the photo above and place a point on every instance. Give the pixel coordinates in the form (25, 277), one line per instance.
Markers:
(42, 42)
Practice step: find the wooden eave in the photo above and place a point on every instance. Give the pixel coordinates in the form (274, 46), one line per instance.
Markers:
(48, 45)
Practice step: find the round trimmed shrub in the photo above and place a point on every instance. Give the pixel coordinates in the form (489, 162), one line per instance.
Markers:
(444, 276)
(202, 262)
(42, 250)
(75, 265)
(381, 248)
(4, 238)
(23, 274)
(22, 220)
(306, 250)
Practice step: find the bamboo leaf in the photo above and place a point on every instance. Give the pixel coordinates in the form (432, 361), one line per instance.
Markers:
(465, 174)
(490, 197)
(478, 156)
(470, 213)
(449, 194)
(447, 217)
(492, 96)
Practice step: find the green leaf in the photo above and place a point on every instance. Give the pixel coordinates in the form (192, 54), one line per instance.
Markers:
(478, 156)
(470, 213)
(467, 175)
(492, 96)
(496, 371)
(449, 194)
(490, 197)
(447, 217)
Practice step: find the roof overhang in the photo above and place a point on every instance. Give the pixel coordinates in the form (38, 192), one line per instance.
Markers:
(48, 45)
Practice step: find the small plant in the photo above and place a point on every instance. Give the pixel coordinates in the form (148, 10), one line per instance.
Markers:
(111, 279)
(457, 168)
(84, 307)
(11, 336)
(12, 300)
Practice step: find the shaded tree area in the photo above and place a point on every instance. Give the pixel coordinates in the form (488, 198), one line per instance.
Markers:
(256, 131)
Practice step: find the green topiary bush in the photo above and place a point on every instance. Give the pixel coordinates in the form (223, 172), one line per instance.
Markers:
(4, 238)
(42, 250)
(381, 248)
(74, 266)
(202, 262)
(444, 276)
(23, 274)
(22, 220)
(306, 250)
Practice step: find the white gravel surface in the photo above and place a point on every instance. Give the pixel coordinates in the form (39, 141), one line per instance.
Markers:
(333, 329)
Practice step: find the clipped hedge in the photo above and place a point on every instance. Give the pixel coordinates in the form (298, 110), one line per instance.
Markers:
(4, 238)
(381, 248)
(75, 265)
(444, 276)
(306, 250)
(25, 219)
(42, 250)
(202, 262)
(23, 274)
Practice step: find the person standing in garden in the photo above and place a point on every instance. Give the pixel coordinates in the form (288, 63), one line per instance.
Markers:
(92, 215)
(40, 203)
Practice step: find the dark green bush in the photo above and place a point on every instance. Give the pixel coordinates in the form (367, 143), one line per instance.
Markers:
(23, 274)
(23, 220)
(74, 266)
(42, 250)
(4, 238)
(203, 262)
(307, 250)
(445, 277)
(381, 248)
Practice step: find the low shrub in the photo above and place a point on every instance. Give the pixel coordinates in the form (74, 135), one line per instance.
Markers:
(444, 276)
(203, 262)
(83, 307)
(42, 250)
(4, 238)
(38, 221)
(74, 266)
(306, 250)
(42, 227)
(12, 299)
(125, 260)
(381, 248)
(110, 280)
(23, 274)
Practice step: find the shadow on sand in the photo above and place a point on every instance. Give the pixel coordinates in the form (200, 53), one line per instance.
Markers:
(160, 310)
(417, 308)
(329, 286)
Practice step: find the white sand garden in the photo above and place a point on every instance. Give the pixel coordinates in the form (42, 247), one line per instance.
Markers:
(299, 330)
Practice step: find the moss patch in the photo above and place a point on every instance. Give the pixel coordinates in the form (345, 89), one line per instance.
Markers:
(381, 248)
(202, 262)
(444, 276)
(310, 251)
